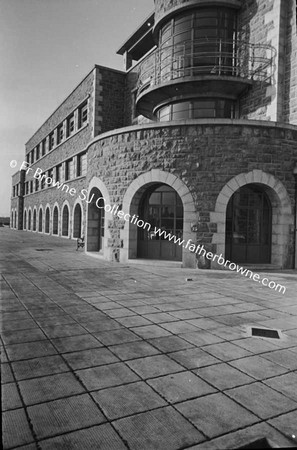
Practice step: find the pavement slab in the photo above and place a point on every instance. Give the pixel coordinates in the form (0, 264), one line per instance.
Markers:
(127, 400)
(162, 429)
(216, 414)
(181, 386)
(104, 355)
(262, 400)
(16, 429)
(60, 416)
(38, 367)
(102, 437)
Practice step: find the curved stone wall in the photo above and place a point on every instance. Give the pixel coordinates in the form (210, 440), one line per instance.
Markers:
(205, 156)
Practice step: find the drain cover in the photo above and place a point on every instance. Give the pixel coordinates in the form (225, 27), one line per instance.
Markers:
(264, 332)
(43, 249)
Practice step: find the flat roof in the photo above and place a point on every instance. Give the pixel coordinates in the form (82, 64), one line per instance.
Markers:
(139, 33)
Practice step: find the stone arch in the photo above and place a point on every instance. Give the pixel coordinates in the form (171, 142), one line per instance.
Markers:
(282, 214)
(47, 219)
(25, 219)
(14, 218)
(65, 219)
(77, 219)
(56, 222)
(131, 203)
(106, 252)
(40, 219)
(34, 219)
(29, 219)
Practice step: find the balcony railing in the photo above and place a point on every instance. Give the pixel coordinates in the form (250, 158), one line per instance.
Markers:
(206, 57)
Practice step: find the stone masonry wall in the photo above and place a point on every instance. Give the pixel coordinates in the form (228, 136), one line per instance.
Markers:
(80, 93)
(290, 96)
(112, 92)
(259, 24)
(222, 152)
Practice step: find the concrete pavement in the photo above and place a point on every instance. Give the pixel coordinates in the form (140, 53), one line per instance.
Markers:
(98, 355)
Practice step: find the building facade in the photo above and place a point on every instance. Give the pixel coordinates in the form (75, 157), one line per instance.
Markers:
(197, 137)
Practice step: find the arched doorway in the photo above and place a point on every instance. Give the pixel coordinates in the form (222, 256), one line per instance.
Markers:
(55, 220)
(162, 208)
(25, 219)
(96, 216)
(40, 221)
(47, 220)
(34, 220)
(248, 226)
(77, 221)
(65, 221)
(29, 220)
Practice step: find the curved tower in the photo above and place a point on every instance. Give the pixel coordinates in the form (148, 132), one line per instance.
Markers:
(203, 62)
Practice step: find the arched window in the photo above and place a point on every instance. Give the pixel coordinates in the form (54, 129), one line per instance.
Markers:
(25, 219)
(65, 221)
(47, 220)
(95, 221)
(34, 220)
(56, 221)
(162, 209)
(77, 222)
(248, 226)
(40, 221)
(29, 220)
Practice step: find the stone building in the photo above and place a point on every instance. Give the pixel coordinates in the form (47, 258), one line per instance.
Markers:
(197, 137)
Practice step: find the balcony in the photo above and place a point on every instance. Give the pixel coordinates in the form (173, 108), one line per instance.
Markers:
(201, 67)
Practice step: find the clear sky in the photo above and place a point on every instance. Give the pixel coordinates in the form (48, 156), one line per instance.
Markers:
(46, 48)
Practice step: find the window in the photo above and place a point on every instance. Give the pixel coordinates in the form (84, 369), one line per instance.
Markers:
(42, 181)
(27, 187)
(28, 158)
(81, 167)
(51, 142)
(68, 169)
(198, 109)
(37, 152)
(70, 125)
(31, 186)
(43, 146)
(32, 156)
(59, 172)
(60, 133)
(13, 191)
(83, 115)
(50, 173)
(36, 185)
(65, 221)
(199, 42)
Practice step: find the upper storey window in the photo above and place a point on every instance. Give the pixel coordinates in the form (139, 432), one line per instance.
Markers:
(201, 41)
(197, 109)
(70, 125)
(83, 115)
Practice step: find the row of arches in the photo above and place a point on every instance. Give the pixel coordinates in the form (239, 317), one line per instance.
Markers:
(57, 221)
(250, 222)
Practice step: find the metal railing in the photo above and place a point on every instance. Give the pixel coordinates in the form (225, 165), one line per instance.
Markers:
(206, 57)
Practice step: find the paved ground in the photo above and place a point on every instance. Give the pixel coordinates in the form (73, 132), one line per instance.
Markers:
(106, 356)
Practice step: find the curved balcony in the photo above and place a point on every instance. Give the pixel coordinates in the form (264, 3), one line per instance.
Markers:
(207, 67)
